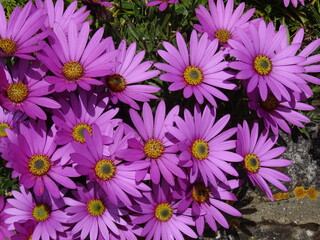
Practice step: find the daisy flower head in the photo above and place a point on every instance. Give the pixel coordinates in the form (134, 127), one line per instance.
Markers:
(277, 114)
(199, 71)
(221, 22)
(259, 157)
(205, 148)
(74, 60)
(18, 36)
(76, 117)
(114, 177)
(44, 211)
(163, 4)
(265, 64)
(4, 232)
(206, 204)
(92, 213)
(122, 82)
(22, 88)
(57, 15)
(154, 147)
(294, 2)
(158, 210)
(36, 161)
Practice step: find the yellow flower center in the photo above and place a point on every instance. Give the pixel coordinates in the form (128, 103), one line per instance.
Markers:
(223, 36)
(3, 127)
(78, 132)
(39, 164)
(72, 71)
(30, 238)
(262, 65)
(200, 149)
(270, 103)
(299, 192)
(95, 207)
(116, 83)
(105, 169)
(41, 212)
(17, 92)
(8, 46)
(200, 193)
(153, 148)
(193, 75)
(251, 162)
(163, 212)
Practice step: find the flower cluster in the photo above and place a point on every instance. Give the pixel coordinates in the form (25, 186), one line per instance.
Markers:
(94, 157)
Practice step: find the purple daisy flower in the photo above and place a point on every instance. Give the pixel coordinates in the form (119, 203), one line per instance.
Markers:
(75, 61)
(93, 214)
(121, 83)
(57, 15)
(267, 66)
(159, 212)
(44, 210)
(276, 114)
(204, 146)
(294, 2)
(155, 148)
(36, 161)
(163, 4)
(77, 116)
(206, 203)
(198, 71)
(24, 89)
(259, 156)
(18, 37)
(221, 22)
(4, 232)
(112, 175)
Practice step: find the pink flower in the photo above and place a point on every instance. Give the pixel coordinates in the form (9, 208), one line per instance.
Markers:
(260, 157)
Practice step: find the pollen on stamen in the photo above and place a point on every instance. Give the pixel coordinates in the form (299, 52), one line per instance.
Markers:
(153, 148)
(8, 46)
(78, 132)
(17, 92)
(262, 65)
(39, 164)
(105, 169)
(200, 193)
(223, 35)
(95, 207)
(116, 83)
(41, 212)
(193, 75)
(72, 71)
(270, 103)
(163, 212)
(200, 149)
(252, 163)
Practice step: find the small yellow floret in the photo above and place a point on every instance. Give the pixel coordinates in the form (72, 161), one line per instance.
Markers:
(299, 192)
(312, 193)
